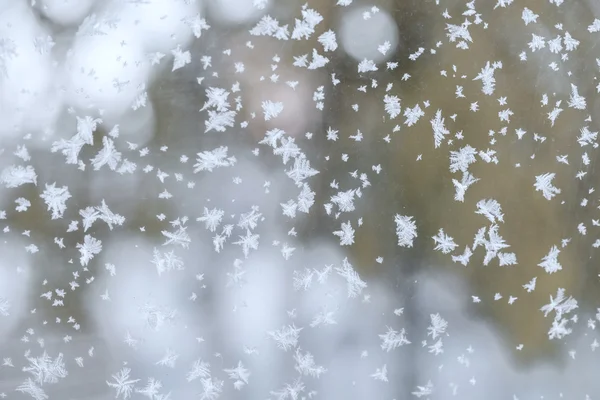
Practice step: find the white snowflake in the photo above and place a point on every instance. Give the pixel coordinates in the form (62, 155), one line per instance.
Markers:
(286, 337)
(393, 339)
(209, 160)
(271, 109)
(444, 243)
(550, 261)
(437, 326)
(439, 129)
(346, 234)
(180, 58)
(392, 105)
(55, 198)
(406, 230)
(328, 40)
(88, 249)
(543, 183)
(355, 285)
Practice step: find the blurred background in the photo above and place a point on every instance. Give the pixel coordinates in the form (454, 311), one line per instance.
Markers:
(262, 199)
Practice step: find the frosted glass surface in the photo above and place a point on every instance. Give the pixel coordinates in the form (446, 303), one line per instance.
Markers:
(279, 200)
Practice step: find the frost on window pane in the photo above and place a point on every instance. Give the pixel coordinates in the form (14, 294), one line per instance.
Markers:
(260, 199)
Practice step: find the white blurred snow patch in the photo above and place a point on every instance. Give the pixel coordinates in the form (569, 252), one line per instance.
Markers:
(361, 38)
(106, 72)
(108, 68)
(65, 12)
(161, 25)
(144, 310)
(237, 12)
(28, 99)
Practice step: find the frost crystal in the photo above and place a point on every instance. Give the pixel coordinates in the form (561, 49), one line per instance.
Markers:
(55, 198)
(392, 105)
(444, 243)
(346, 234)
(406, 230)
(88, 249)
(393, 339)
(543, 183)
(15, 176)
(271, 109)
(550, 261)
(209, 160)
(354, 284)
(286, 337)
(439, 129)
(305, 364)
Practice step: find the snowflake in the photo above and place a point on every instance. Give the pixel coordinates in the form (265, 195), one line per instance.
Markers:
(33, 390)
(413, 115)
(151, 389)
(305, 364)
(529, 16)
(211, 218)
(286, 337)
(543, 183)
(366, 66)
(219, 120)
(22, 204)
(16, 175)
(422, 391)
(493, 245)
(461, 159)
(346, 234)
(211, 388)
(354, 284)
(464, 257)
(381, 374)
(45, 369)
(486, 76)
(577, 101)
(239, 375)
(180, 58)
(439, 129)
(216, 98)
(459, 32)
(437, 327)
(444, 243)
(328, 40)
(55, 198)
(108, 155)
(180, 237)
(301, 170)
(248, 242)
(587, 137)
(209, 160)
(88, 249)
(200, 369)
(537, 42)
(288, 149)
(406, 230)
(271, 109)
(550, 261)
(198, 25)
(393, 339)
(292, 390)
(392, 105)
(122, 383)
